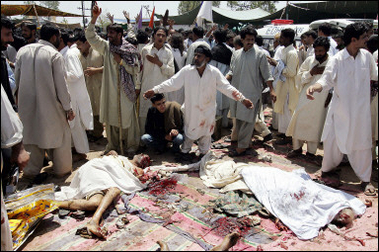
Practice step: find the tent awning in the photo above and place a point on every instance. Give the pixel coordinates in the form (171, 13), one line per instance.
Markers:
(301, 13)
(28, 10)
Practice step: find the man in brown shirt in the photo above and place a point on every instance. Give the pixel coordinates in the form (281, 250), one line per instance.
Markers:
(164, 123)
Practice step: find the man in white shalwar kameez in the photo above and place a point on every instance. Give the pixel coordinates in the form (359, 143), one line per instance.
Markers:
(44, 103)
(81, 103)
(286, 90)
(348, 123)
(308, 119)
(158, 66)
(201, 82)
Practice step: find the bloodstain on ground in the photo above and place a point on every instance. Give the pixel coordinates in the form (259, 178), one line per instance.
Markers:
(161, 187)
(228, 225)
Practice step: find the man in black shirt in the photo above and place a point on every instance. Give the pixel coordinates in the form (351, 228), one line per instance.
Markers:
(164, 123)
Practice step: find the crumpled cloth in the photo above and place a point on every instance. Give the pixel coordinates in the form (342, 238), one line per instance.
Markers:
(237, 204)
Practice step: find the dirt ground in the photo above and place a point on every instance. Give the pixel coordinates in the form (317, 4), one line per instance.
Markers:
(365, 229)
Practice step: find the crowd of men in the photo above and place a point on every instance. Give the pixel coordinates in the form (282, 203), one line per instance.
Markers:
(67, 86)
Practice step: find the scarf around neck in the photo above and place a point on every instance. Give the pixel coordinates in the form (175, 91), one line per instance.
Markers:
(130, 56)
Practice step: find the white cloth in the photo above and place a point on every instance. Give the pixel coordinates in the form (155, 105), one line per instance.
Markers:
(11, 126)
(349, 112)
(100, 174)
(205, 13)
(11, 134)
(300, 203)
(214, 173)
(153, 75)
(80, 100)
(199, 107)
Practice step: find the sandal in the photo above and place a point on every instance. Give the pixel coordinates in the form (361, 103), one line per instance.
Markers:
(369, 189)
(84, 232)
(234, 153)
(220, 146)
(62, 213)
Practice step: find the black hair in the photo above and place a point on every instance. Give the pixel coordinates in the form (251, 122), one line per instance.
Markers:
(311, 33)
(289, 33)
(325, 28)
(354, 30)
(259, 40)
(204, 50)
(156, 29)
(339, 34)
(81, 36)
(132, 41)
(65, 36)
(157, 97)
(372, 43)
(177, 41)
(322, 41)
(248, 30)
(220, 35)
(48, 30)
(142, 37)
(198, 31)
(115, 27)
(30, 25)
(237, 40)
(6, 23)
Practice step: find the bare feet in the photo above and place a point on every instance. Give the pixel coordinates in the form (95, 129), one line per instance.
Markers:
(229, 241)
(96, 230)
(163, 246)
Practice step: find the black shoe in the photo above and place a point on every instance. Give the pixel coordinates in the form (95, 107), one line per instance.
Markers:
(40, 178)
(267, 138)
(295, 153)
(284, 141)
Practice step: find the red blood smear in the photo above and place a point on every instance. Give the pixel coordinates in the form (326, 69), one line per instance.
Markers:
(163, 186)
(225, 226)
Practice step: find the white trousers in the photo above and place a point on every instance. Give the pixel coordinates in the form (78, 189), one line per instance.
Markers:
(204, 144)
(285, 118)
(311, 146)
(360, 160)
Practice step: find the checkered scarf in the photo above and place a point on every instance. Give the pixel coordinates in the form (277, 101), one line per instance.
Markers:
(130, 56)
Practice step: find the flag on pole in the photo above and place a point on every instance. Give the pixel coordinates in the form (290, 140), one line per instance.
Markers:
(205, 13)
(140, 20)
(151, 24)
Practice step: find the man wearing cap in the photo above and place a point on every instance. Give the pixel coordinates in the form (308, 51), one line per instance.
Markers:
(201, 82)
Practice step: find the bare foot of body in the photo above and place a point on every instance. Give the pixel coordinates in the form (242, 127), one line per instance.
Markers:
(95, 229)
(229, 241)
(163, 246)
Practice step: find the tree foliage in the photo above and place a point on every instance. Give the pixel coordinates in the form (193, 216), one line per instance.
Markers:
(186, 6)
(268, 6)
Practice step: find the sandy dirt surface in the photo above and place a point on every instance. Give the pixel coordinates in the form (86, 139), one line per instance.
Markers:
(362, 236)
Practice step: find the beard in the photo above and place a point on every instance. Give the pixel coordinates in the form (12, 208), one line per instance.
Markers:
(200, 65)
(321, 57)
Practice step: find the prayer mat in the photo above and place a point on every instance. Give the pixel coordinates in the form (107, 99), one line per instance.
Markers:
(182, 216)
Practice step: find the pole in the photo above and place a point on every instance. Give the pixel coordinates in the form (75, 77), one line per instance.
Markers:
(119, 112)
(83, 14)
